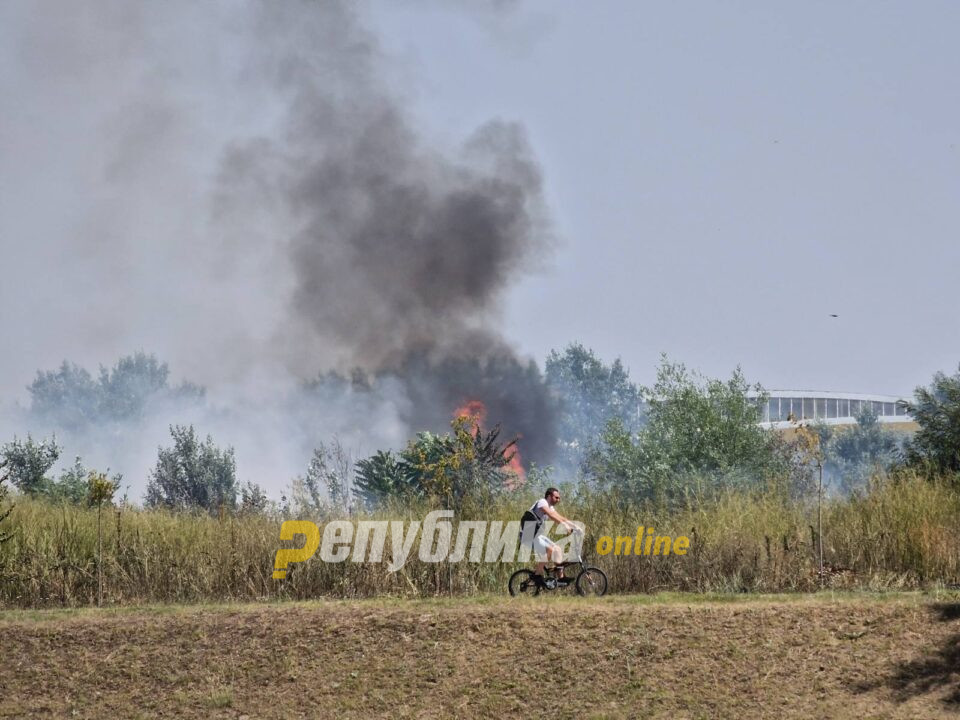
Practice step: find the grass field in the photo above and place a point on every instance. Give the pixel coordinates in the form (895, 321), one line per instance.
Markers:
(668, 656)
(903, 534)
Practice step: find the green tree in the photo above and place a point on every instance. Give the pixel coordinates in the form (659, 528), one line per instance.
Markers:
(326, 486)
(935, 446)
(467, 464)
(590, 394)
(70, 398)
(853, 454)
(31, 461)
(707, 425)
(696, 429)
(72, 487)
(133, 382)
(379, 477)
(193, 474)
(329, 472)
(616, 461)
(28, 462)
(253, 499)
(67, 397)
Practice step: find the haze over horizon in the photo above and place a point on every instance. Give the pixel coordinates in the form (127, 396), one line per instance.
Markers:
(720, 180)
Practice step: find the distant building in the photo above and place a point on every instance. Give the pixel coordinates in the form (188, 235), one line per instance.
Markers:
(832, 408)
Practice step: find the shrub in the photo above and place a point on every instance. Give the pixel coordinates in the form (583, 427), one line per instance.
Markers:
(193, 474)
(27, 463)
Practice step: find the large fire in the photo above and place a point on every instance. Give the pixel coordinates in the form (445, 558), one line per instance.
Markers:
(476, 412)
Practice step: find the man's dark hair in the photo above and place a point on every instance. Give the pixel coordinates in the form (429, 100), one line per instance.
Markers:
(550, 490)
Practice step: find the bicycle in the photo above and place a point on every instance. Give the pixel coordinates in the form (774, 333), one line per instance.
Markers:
(589, 581)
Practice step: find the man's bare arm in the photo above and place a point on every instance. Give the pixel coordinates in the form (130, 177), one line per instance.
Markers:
(557, 517)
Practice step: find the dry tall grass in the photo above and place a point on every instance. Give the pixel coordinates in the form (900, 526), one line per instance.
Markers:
(903, 532)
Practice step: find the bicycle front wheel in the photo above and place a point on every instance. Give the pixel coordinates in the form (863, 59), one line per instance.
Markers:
(592, 581)
(522, 582)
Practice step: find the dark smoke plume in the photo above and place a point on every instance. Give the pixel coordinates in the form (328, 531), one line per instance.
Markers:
(400, 252)
(405, 252)
(240, 189)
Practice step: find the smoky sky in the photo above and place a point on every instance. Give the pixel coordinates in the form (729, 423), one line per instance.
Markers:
(400, 249)
(396, 245)
(403, 251)
(242, 189)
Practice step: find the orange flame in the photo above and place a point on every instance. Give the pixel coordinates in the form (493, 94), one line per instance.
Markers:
(516, 467)
(476, 412)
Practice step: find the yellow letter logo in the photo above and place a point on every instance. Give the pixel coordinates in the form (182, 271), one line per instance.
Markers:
(285, 556)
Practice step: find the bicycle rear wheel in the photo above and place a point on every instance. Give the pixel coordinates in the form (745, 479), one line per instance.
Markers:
(522, 582)
(592, 581)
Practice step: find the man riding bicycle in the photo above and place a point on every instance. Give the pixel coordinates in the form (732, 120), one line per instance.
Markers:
(542, 545)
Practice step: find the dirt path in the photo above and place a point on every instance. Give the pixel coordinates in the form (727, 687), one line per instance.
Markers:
(858, 657)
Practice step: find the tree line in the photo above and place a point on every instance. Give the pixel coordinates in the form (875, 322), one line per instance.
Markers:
(683, 435)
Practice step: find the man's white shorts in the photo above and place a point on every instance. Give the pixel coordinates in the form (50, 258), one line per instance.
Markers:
(541, 543)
